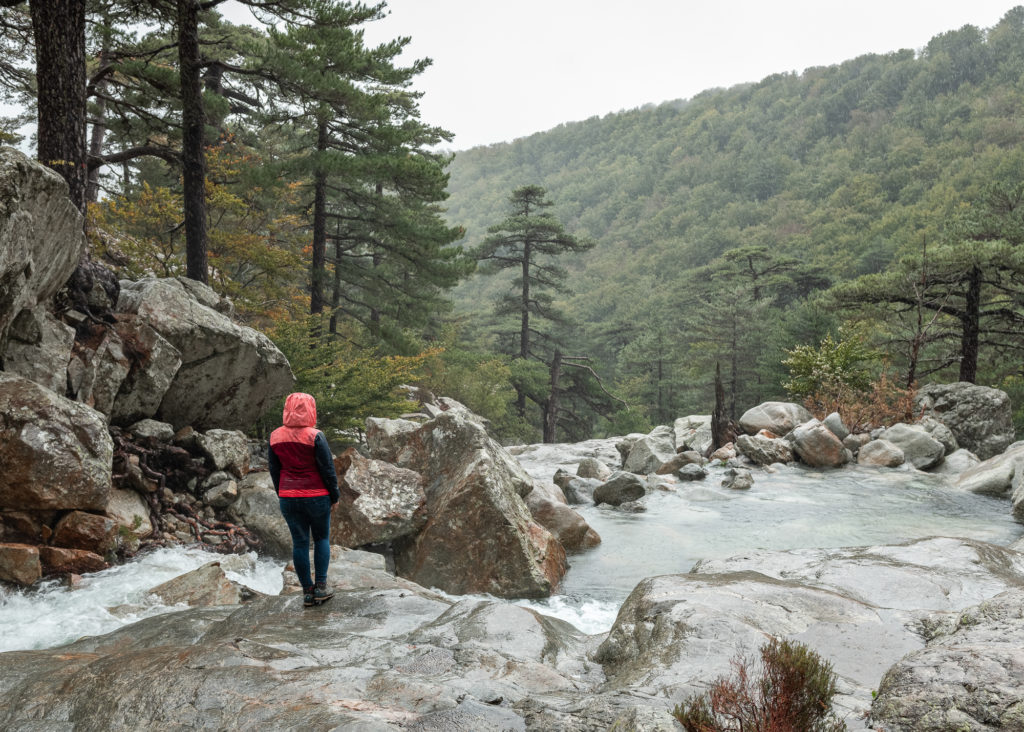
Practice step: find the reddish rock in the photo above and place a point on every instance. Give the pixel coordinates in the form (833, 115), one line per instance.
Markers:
(24, 526)
(567, 525)
(19, 563)
(89, 531)
(57, 560)
(56, 453)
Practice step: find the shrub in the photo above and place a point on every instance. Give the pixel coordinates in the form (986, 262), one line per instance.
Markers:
(792, 693)
(884, 402)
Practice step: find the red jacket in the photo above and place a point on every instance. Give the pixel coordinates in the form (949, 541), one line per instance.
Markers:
(299, 457)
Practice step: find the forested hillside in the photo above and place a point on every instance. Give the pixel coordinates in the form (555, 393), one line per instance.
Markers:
(803, 180)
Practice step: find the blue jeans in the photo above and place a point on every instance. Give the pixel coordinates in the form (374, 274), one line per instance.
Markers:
(306, 516)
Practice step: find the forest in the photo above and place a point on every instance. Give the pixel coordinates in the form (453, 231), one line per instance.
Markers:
(836, 236)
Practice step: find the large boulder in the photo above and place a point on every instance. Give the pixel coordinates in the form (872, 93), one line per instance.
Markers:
(779, 418)
(919, 448)
(693, 433)
(41, 236)
(379, 501)
(153, 363)
(765, 450)
(998, 476)
(981, 418)
(818, 446)
(97, 369)
(229, 374)
(479, 535)
(56, 453)
(39, 349)
(651, 451)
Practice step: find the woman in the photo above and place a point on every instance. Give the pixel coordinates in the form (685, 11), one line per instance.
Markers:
(302, 469)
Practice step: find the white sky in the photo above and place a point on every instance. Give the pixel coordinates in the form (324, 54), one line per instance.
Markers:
(508, 68)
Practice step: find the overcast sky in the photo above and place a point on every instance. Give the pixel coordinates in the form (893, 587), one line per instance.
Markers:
(508, 68)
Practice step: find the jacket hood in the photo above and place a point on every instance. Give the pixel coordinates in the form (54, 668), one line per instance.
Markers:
(299, 410)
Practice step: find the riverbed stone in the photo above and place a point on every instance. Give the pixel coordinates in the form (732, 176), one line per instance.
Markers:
(818, 446)
(880, 454)
(651, 451)
(919, 448)
(56, 453)
(995, 476)
(687, 457)
(90, 531)
(835, 423)
(980, 417)
(622, 487)
(693, 432)
(19, 563)
(568, 526)
(764, 450)
(956, 463)
(258, 509)
(593, 468)
(779, 418)
(738, 479)
(59, 560)
(130, 511)
(205, 586)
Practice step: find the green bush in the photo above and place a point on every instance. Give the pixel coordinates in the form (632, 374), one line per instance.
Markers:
(843, 365)
(792, 693)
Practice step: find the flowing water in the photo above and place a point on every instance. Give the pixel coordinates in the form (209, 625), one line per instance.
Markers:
(790, 509)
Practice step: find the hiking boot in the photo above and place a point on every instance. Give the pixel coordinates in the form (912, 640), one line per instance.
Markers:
(322, 593)
(308, 597)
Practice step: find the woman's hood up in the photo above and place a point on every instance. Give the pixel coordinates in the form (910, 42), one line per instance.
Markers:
(299, 410)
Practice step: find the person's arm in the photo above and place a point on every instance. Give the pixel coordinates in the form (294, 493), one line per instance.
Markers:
(274, 465)
(325, 466)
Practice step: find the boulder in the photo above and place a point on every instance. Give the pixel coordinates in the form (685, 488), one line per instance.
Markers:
(547, 491)
(565, 524)
(940, 432)
(693, 433)
(580, 490)
(854, 443)
(379, 502)
(58, 560)
(56, 453)
(995, 476)
(130, 511)
(956, 462)
(691, 472)
(222, 493)
(622, 487)
(919, 448)
(206, 586)
(258, 509)
(229, 375)
(981, 418)
(651, 451)
(99, 366)
(724, 453)
(225, 450)
(818, 446)
(151, 429)
(966, 678)
(39, 349)
(41, 236)
(593, 468)
(737, 479)
(153, 364)
(680, 459)
(835, 423)
(479, 535)
(764, 450)
(880, 454)
(89, 531)
(779, 418)
(385, 438)
(19, 563)
(624, 445)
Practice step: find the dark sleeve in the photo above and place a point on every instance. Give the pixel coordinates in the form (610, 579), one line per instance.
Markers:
(325, 466)
(274, 464)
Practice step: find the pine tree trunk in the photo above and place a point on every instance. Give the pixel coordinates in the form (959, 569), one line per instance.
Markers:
(971, 328)
(193, 155)
(59, 30)
(551, 408)
(318, 269)
(524, 306)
